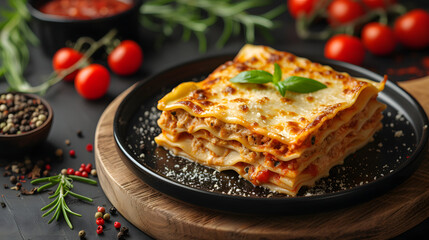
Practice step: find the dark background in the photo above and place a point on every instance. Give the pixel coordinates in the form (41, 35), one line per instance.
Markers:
(21, 219)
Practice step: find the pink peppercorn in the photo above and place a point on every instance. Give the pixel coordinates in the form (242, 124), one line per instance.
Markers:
(89, 147)
(48, 167)
(72, 153)
(117, 225)
(99, 221)
(99, 229)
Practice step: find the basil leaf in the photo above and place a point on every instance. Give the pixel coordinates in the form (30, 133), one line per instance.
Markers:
(253, 76)
(302, 84)
(281, 88)
(277, 73)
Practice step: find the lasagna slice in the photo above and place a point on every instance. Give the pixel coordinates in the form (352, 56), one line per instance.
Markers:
(281, 143)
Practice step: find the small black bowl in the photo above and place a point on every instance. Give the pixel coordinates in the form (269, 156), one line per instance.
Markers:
(54, 31)
(18, 144)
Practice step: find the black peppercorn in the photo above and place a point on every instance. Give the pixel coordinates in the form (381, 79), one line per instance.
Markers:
(13, 179)
(125, 230)
(120, 235)
(112, 210)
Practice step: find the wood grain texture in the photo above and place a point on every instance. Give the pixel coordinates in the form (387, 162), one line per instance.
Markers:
(419, 88)
(164, 218)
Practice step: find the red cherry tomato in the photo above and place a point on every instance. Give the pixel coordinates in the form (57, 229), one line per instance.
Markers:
(78, 173)
(126, 58)
(344, 11)
(84, 174)
(297, 7)
(412, 29)
(65, 58)
(92, 82)
(378, 38)
(374, 4)
(345, 48)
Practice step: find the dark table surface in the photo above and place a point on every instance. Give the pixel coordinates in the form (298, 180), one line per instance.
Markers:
(21, 218)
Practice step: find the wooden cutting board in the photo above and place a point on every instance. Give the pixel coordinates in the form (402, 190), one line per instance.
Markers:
(164, 218)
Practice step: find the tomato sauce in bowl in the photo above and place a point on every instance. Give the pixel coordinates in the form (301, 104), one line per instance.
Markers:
(85, 9)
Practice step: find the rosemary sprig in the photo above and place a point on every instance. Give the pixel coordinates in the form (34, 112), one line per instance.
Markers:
(64, 188)
(197, 16)
(15, 35)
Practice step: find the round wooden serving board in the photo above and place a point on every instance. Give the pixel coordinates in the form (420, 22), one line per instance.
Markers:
(164, 218)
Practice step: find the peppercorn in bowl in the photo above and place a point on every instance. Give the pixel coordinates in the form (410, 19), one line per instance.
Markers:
(25, 122)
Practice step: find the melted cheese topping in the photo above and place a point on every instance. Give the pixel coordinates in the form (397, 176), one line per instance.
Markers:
(260, 107)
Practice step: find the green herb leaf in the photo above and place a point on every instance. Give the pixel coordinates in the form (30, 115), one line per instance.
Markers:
(253, 76)
(301, 84)
(197, 17)
(277, 76)
(64, 188)
(281, 88)
(292, 83)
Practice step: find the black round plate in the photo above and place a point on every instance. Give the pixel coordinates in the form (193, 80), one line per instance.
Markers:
(379, 166)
